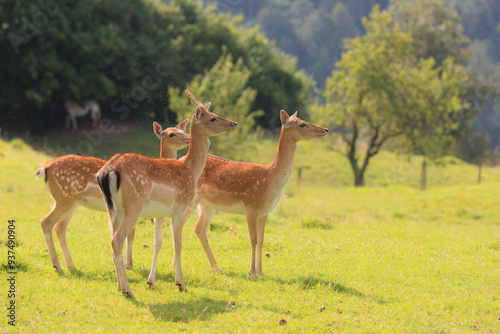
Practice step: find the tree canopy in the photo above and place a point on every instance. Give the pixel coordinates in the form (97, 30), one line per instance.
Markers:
(381, 91)
(125, 54)
(223, 85)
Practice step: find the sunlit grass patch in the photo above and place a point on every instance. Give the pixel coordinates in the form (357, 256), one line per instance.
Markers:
(387, 259)
(313, 222)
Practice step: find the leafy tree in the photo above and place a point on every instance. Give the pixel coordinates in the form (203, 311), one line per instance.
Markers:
(57, 50)
(224, 85)
(436, 29)
(438, 33)
(382, 92)
(125, 54)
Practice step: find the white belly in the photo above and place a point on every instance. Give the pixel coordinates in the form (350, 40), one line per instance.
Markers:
(157, 209)
(237, 208)
(93, 203)
(270, 206)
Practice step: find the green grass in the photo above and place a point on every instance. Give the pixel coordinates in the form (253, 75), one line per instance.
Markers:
(387, 258)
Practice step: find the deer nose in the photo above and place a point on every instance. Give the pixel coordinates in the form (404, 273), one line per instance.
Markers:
(235, 123)
(326, 130)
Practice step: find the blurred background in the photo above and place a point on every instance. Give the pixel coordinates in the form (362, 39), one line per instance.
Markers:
(417, 77)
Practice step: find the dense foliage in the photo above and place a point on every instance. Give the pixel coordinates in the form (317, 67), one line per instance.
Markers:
(125, 54)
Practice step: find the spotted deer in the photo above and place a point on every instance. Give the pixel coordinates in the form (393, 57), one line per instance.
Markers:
(71, 181)
(250, 189)
(136, 186)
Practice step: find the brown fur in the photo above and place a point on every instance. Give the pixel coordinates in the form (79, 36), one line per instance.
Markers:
(71, 181)
(165, 185)
(250, 189)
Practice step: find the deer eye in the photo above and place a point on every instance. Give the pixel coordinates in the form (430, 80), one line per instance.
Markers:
(213, 120)
(172, 135)
(303, 125)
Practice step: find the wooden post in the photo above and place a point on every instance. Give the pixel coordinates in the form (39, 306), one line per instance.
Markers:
(299, 173)
(423, 175)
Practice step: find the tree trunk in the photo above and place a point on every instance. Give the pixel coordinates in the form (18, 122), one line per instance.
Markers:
(359, 179)
(479, 167)
(359, 173)
(423, 175)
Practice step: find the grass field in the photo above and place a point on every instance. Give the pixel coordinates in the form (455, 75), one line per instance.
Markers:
(387, 258)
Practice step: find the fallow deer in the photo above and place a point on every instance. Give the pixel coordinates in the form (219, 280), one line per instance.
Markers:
(76, 109)
(250, 189)
(71, 181)
(135, 186)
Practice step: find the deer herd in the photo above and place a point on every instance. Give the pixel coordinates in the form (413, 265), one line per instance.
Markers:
(130, 186)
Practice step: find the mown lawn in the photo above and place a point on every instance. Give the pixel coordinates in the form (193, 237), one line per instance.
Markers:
(387, 258)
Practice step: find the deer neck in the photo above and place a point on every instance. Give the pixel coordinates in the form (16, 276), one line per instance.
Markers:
(166, 153)
(198, 150)
(281, 168)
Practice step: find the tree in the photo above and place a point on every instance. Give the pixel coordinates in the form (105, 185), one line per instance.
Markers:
(225, 86)
(436, 29)
(438, 33)
(125, 54)
(380, 91)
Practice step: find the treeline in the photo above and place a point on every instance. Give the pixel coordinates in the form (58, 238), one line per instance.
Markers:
(314, 31)
(125, 55)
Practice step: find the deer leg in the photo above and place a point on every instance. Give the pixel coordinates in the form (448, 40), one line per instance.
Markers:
(73, 120)
(128, 254)
(61, 229)
(48, 223)
(252, 228)
(206, 215)
(158, 223)
(177, 224)
(261, 226)
(117, 243)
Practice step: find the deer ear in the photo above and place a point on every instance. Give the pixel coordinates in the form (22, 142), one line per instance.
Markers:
(158, 130)
(284, 117)
(182, 125)
(294, 115)
(207, 106)
(197, 114)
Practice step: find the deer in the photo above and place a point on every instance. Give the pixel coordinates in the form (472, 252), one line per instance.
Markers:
(135, 186)
(76, 109)
(250, 189)
(70, 180)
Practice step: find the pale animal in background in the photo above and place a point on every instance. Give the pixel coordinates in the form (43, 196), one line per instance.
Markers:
(136, 186)
(71, 181)
(250, 189)
(76, 109)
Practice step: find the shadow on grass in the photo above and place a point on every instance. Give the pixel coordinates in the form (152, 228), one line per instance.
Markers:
(306, 282)
(167, 277)
(198, 309)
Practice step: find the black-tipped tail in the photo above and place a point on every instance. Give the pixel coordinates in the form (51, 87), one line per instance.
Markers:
(103, 181)
(41, 172)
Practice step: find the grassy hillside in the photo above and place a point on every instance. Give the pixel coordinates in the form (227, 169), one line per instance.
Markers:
(321, 164)
(389, 259)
